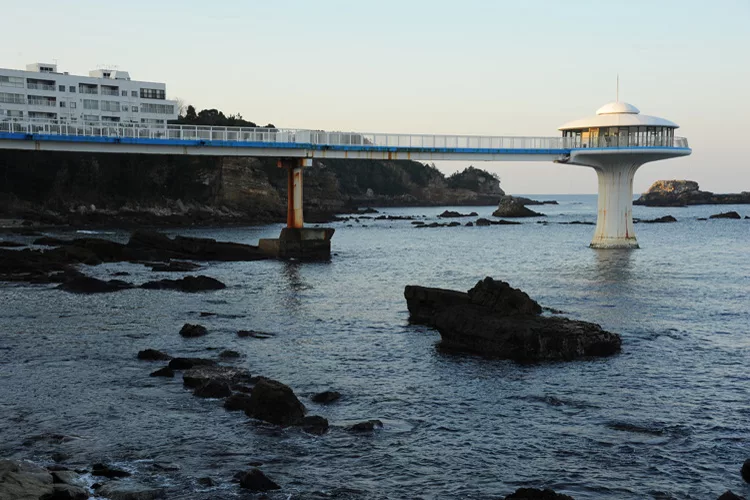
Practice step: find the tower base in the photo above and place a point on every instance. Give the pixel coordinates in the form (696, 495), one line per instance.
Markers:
(308, 244)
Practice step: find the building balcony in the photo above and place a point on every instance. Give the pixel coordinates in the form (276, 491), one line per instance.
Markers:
(42, 102)
(110, 92)
(88, 90)
(41, 86)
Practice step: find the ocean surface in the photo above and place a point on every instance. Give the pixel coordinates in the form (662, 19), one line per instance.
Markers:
(667, 418)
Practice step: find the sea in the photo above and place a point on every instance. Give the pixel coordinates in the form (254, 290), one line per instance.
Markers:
(668, 418)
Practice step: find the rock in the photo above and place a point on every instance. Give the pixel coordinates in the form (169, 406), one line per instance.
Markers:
(501, 222)
(368, 210)
(482, 222)
(189, 284)
(229, 354)
(729, 495)
(315, 425)
(276, 403)
(680, 193)
(86, 284)
(536, 494)
(367, 426)
(191, 331)
(326, 397)
(451, 213)
(161, 247)
(255, 480)
(68, 477)
(495, 320)
(104, 470)
(454, 224)
(67, 492)
(51, 242)
(24, 481)
(469, 224)
(726, 215)
(254, 334)
(213, 389)
(666, 218)
(153, 355)
(187, 363)
(11, 244)
(175, 266)
(745, 471)
(514, 207)
(201, 375)
(205, 314)
(127, 490)
(206, 481)
(237, 402)
(162, 372)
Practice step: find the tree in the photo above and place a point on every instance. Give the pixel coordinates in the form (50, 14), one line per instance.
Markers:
(190, 115)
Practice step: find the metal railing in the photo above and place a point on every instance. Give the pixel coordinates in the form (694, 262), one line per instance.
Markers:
(88, 90)
(110, 92)
(41, 86)
(42, 102)
(303, 137)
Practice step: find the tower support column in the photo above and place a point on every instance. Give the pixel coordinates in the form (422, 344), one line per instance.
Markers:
(294, 214)
(614, 221)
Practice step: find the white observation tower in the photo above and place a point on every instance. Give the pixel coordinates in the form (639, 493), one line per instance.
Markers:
(615, 143)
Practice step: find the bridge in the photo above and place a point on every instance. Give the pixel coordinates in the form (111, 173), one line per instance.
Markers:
(615, 143)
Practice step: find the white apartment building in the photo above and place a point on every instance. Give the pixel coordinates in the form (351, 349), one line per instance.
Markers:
(42, 93)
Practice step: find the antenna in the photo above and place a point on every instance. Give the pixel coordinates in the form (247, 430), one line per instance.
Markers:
(617, 95)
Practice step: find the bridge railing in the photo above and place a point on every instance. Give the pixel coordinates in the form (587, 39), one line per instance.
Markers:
(305, 137)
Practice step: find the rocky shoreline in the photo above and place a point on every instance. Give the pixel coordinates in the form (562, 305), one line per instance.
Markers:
(681, 193)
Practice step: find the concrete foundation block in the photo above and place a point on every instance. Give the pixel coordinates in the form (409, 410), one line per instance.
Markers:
(308, 244)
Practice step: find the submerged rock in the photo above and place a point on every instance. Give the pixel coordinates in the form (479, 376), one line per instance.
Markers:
(745, 471)
(366, 426)
(730, 495)
(237, 402)
(104, 470)
(201, 375)
(536, 494)
(121, 490)
(326, 397)
(162, 372)
(276, 403)
(495, 320)
(514, 207)
(86, 284)
(153, 355)
(190, 331)
(452, 214)
(254, 334)
(666, 218)
(213, 389)
(726, 215)
(315, 425)
(187, 363)
(175, 266)
(255, 480)
(189, 284)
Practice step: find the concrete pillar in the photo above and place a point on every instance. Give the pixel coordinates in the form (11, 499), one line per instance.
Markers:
(294, 215)
(614, 222)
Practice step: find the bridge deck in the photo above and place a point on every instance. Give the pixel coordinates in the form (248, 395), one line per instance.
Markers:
(236, 141)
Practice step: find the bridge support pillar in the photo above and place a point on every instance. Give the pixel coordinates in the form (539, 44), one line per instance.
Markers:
(614, 221)
(296, 241)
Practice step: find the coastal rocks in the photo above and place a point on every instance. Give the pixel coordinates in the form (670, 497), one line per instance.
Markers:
(104, 470)
(88, 285)
(680, 193)
(153, 355)
(452, 214)
(187, 363)
(315, 425)
(237, 402)
(495, 320)
(274, 402)
(366, 426)
(659, 220)
(120, 490)
(726, 215)
(501, 222)
(213, 389)
(202, 375)
(536, 494)
(730, 495)
(255, 480)
(162, 372)
(254, 334)
(514, 207)
(160, 247)
(745, 471)
(24, 481)
(175, 266)
(10, 244)
(190, 284)
(326, 397)
(191, 331)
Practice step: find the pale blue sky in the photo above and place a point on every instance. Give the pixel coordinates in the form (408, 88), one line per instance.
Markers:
(468, 67)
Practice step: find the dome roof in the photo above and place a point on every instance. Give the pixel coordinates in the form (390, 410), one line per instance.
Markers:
(618, 114)
(617, 107)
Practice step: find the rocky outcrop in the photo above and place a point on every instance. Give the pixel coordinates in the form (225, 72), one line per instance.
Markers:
(495, 320)
(514, 207)
(658, 220)
(117, 490)
(153, 355)
(21, 480)
(726, 215)
(536, 494)
(680, 193)
(189, 331)
(255, 480)
(276, 403)
(87, 285)
(447, 214)
(745, 471)
(190, 284)
(326, 397)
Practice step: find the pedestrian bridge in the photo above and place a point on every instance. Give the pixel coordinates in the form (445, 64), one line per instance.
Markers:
(300, 143)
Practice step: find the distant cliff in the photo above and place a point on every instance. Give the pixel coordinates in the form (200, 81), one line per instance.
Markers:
(118, 189)
(678, 193)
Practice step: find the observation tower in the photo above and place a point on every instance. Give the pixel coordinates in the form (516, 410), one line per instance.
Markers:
(615, 143)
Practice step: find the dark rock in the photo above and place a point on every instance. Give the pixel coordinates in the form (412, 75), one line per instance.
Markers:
(451, 213)
(585, 223)
(104, 470)
(729, 495)
(482, 222)
(254, 334)
(201, 375)
(186, 284)
(161, 247)
(117, 490)
(175, 266)
(726, 215)
(51, 242)
(745, 471)
(255, 480)
(501, 222)
(495, 320)
(536, 494)
(666, 218)
(229, 354)
(204, 314)
(163, 372)
(368, 210)
(514, 207)
(680, 193)
(213, 389)
(66, 492)
(191, 331)
(153, 355)
(11, 244)
(326, 397)
(367, 426)
(454, 224)
(237, 402)
(187, 363)
(276, 403)
(315, 425)
(86, 284)
(68, 477)
(469, 224)
(206, 481)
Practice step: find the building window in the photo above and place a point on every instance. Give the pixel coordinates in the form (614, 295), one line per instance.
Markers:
(153, 94)
(111, 119)
(90, 104)
(90, 118)
(124, 93)
(15, 114)
(12, 81)
(62, 104)
(161, 109)
(133, 93)
(12, 98)
(112, 106)
(72, 105)
(134, 109)
(61, 88)
(152, 121)
(72, 89)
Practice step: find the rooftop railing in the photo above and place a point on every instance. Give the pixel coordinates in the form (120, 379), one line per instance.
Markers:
(317, 138)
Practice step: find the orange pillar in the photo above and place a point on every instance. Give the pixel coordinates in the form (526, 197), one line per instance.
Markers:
(294, 217)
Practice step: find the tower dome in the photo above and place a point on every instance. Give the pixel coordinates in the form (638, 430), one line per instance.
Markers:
(617, 107)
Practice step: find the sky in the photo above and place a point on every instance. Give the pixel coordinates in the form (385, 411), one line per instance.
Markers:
(436, 67)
